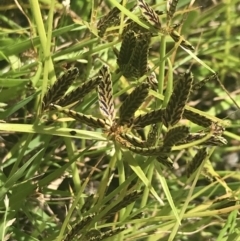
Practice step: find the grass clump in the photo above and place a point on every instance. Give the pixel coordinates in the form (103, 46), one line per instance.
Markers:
(118, 120)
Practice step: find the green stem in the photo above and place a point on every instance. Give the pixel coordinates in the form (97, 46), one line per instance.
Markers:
(162, 64)
(188, 199)
(44, 40)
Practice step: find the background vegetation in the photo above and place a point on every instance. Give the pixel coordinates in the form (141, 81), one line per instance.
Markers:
(47, 175)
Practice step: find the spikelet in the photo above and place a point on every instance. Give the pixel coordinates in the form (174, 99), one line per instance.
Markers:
(88, 203)
(128, 199)
(86, 119)
(152, 135)
(177, 37)
(216, 128)
(163, 159)
(197, 118)
(175, 107)
(197, 161)
(126, 50)
(193, 137)
(132, 103)
(78, 227)
(139, 57)
(122, 141)
(215, 140)
(93, 234)
(137, 216)
(201, 83)
(152, 117)
(133, 56)
(175, 135)
(133, 26)
(58, 89)
(79, 93)
(148, 151)
(133, 140)
(110, 233)
(105, 94)
(111, 19)
(171, 8)
(149, 14)
(152, 80)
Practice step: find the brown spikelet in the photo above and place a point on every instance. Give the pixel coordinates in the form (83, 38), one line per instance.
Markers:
(128, 199)
(149, 14)
(111, 233)
(86, 119)
(132, 103)
(79, 93)
(197, 118)
(217, 129)
(215, 140)
(152, 80)
(184, 43)
(78, 227)
(111, 19)
(133, 56)
(105, 94)
(152, 117)
(133, 140)
(192, 137)
(122, 141)
(163, 159)
(139, 57)
(88, 203)
(171, 8)
(133, 26)
(175, 107)
(137, 216)
(200, 84)
(126, 50)
(58, 89)
(152, 135)
(197, 161)
(93, 234)
(148, 151)
(175, 135)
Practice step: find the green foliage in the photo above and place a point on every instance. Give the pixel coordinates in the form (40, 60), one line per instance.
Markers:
(119, 121)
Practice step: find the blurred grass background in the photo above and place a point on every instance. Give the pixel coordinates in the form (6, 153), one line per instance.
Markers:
(46, 175)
